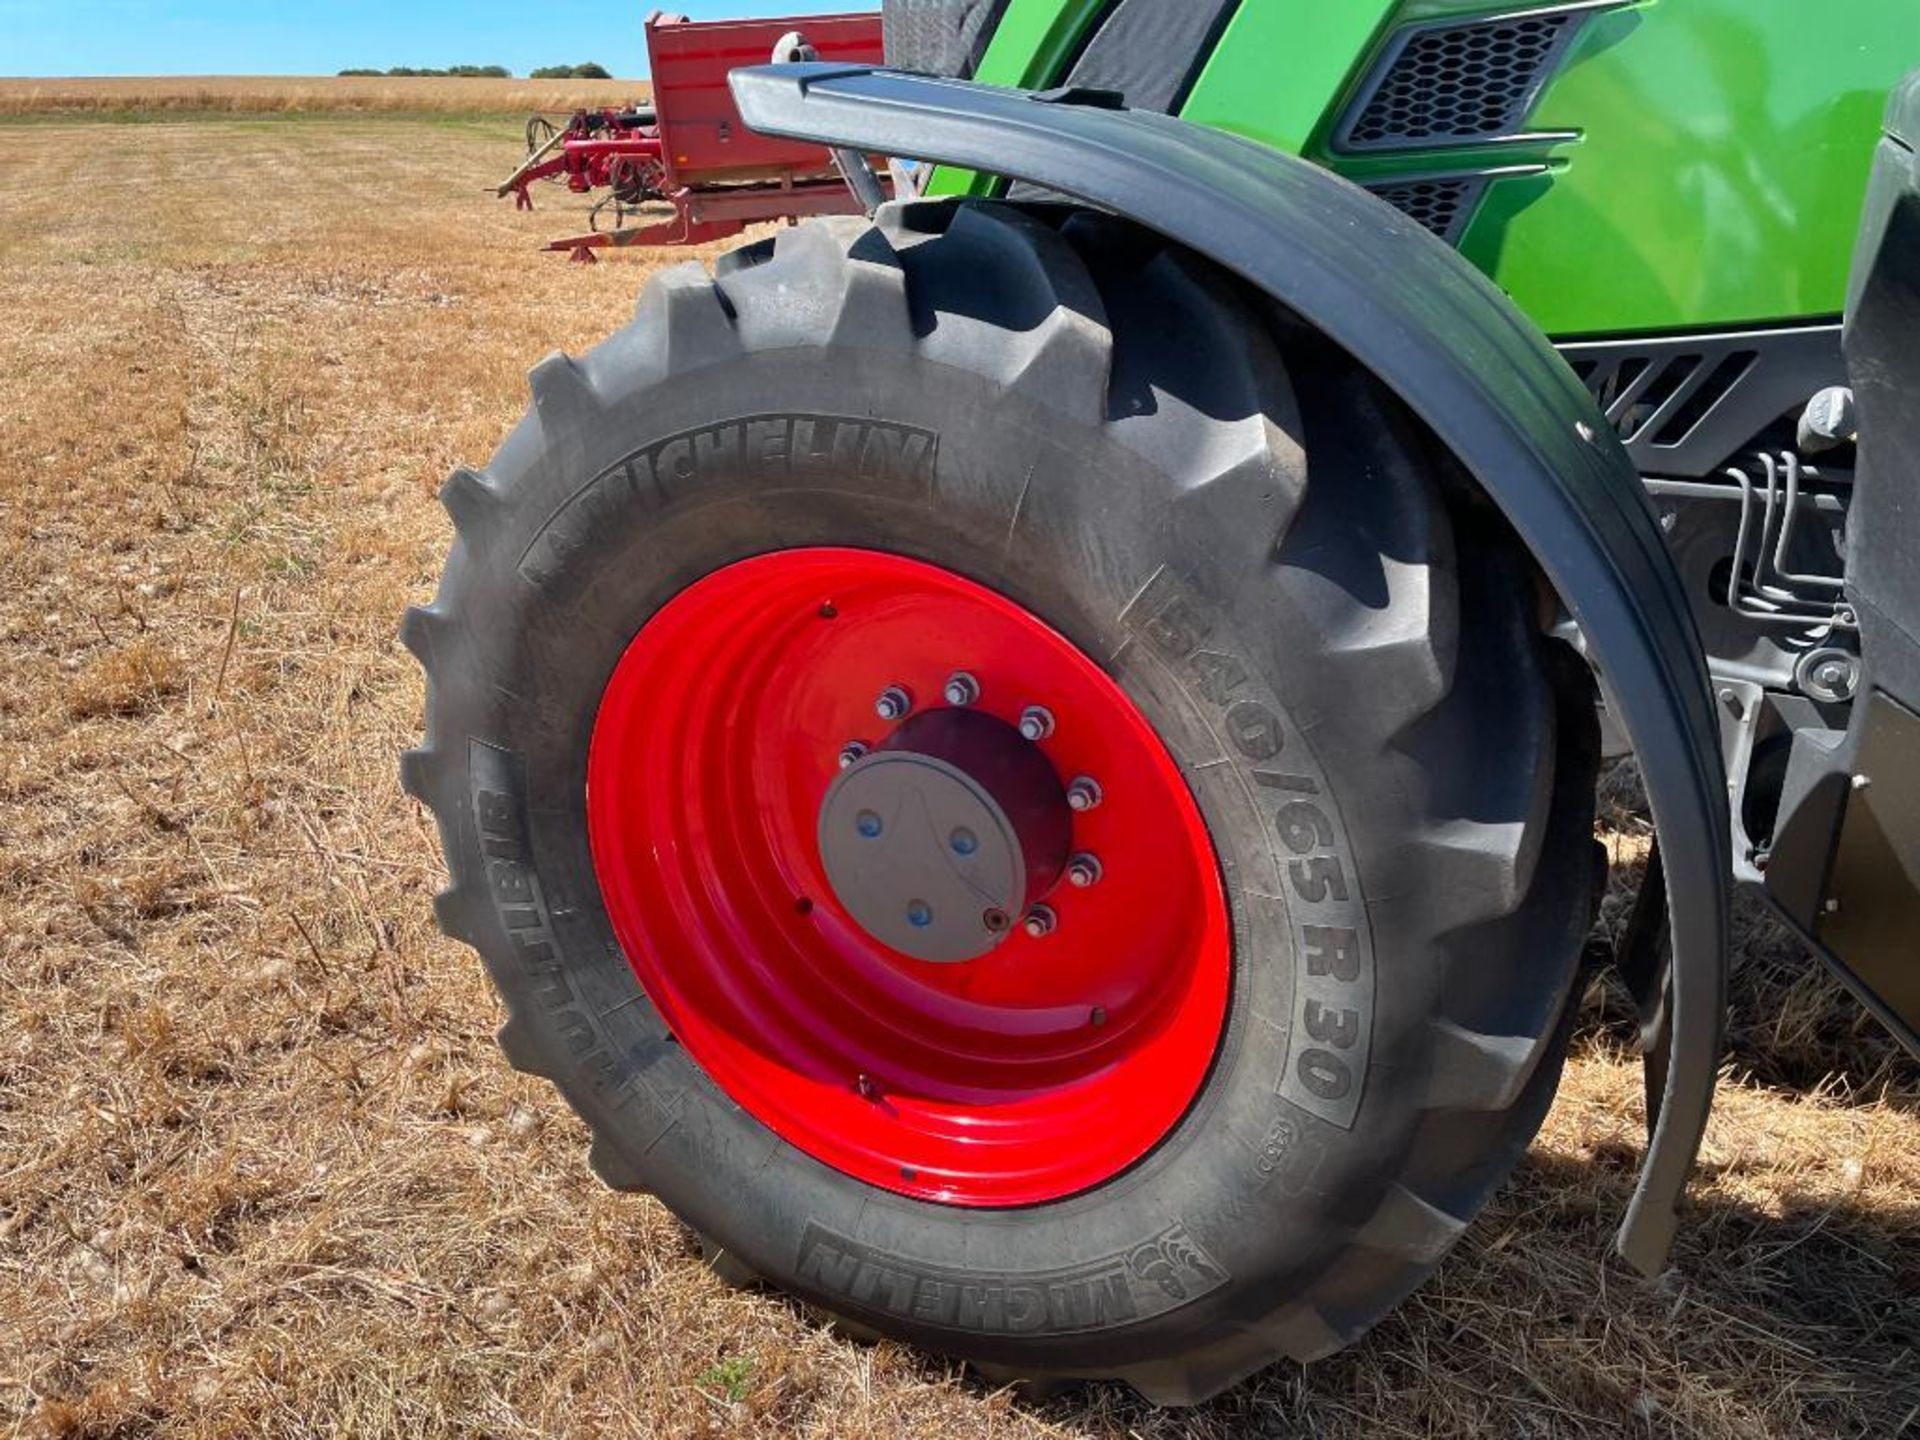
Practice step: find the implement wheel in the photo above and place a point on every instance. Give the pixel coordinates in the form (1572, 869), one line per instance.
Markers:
(1013, 788)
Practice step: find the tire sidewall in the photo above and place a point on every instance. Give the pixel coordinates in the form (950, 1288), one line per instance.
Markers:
(881, 450)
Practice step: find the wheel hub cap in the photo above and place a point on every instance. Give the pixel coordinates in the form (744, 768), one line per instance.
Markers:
(937, 838)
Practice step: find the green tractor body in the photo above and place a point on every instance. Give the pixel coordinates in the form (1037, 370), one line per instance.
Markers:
(1615, 168)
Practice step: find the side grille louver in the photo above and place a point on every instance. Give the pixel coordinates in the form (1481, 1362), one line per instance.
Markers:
(1457, 83)
(1683, 406)
(1442, 205)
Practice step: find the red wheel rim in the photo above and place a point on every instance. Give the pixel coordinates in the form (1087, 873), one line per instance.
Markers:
(1035, 1071)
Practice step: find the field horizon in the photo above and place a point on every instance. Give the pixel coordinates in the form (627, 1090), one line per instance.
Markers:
(164, 96)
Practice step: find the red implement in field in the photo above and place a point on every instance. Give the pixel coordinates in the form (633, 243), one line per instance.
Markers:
(688, 149)
(616, 150)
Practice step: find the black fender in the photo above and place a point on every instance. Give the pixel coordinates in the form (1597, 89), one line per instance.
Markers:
(1470, 365)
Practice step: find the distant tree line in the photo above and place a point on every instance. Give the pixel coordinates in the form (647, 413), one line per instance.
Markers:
(492, 72)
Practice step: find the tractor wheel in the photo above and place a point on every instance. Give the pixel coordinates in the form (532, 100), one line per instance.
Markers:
(1014, 789)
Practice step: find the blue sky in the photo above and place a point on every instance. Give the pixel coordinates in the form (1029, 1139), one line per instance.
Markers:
(318, 37)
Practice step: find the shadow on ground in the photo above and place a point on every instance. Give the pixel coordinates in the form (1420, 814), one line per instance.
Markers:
(1792, 1306)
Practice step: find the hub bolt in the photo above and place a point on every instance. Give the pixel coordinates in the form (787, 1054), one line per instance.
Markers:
(996, 921)
(1083, 794)
(851, 752)
(1084, 870)
(1040, 922)
(962, 688)
(894, 703)
(1036, 723)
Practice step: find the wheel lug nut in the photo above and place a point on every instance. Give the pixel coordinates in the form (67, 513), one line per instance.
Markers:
(1040, 922)
(1083, 794)
(1084, 870)
(894, 703)
(963, 841)
(852, 751)
(1036, 723)
(962, 688)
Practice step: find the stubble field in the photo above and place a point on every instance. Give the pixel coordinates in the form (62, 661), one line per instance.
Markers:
(262, 1170)
(137, 98)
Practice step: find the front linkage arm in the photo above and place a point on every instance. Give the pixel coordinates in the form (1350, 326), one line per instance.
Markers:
(1471, 366)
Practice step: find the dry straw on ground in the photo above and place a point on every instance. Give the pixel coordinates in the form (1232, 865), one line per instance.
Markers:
(301, 95)
(261, 1168)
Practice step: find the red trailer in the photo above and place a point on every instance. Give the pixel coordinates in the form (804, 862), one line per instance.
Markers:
(689, 149)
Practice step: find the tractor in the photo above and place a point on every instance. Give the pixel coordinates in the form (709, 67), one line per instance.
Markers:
(1026, 759)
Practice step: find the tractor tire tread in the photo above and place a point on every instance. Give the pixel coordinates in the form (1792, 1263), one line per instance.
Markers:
(1074, 306)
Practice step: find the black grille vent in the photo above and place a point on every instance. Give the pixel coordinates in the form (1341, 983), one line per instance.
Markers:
(1443, 206)
(1446, 84)
(1686, 406)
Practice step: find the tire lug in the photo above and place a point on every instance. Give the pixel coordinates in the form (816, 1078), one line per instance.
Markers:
(1084, 794)
(961, 689)
(1040, 922)
(894, 703)
(1084, 869)
(852, 751)
(1036, 723)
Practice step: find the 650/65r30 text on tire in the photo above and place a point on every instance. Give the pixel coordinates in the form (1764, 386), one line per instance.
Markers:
(1347, 793)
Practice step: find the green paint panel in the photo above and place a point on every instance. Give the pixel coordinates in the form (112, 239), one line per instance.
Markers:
(1718, 180)
(1717, 175)
(1281, 66)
